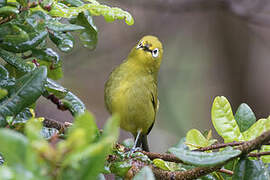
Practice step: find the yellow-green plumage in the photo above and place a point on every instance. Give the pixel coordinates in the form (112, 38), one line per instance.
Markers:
(131, 90)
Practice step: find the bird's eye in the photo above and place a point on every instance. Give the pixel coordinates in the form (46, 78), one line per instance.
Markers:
(155, 52)
(140, 45)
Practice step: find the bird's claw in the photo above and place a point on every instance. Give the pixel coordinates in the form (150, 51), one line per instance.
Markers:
(133, 150)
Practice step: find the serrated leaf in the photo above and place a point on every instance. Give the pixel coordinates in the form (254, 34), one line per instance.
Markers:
(145, 174)
(96, 9)
(203, 159)
(64, 41)
(27, 90)
(244, 117)
(250, 170)
(223, 120)
(13, 147)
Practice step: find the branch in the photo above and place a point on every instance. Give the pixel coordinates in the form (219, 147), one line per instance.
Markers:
(217, 146)
(244, 147)
(259, 154)
(57, 101)
(51, 123)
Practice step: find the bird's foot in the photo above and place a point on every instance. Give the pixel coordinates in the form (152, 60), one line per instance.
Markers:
(133, 150)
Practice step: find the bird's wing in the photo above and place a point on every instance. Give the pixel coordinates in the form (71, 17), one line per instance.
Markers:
(155, 103)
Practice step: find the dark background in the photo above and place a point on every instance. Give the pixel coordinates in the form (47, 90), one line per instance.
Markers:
(211, 47)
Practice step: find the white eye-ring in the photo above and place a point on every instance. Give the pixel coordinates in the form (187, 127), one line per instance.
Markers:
(155, 53)
(139, 45)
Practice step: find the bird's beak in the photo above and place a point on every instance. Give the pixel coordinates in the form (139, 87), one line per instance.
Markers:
(146, 48)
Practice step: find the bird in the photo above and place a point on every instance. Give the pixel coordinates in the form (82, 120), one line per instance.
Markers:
(131, 90)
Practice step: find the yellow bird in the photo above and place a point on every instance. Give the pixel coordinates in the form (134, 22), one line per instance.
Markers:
(131, 90)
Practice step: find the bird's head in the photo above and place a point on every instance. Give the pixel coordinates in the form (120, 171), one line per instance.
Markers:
(148, 52)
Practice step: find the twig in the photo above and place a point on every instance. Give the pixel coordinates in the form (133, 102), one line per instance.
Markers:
(50, 123)
(226, 171)
(217, 146)
(259, 154)
(57, 101)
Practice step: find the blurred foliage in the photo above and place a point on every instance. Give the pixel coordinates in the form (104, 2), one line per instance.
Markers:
(81, 155)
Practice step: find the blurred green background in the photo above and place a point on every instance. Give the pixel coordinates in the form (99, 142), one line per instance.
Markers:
(210, 48)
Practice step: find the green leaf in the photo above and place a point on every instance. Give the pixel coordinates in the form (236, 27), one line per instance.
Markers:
(244, 117)
(27, 90)
(57, 26)
(5, 81)
(89, 34)
(3, 93)
(16, 61)
(54, 71)
(250, 170)
(223, 120)
(22, 2)
(8, 10)
(96, 9)
(56, 89)
(74, 104)
(23, 40)
(265, 159)
(18, 122)
(197, 158)
(120, 168)
(85, 121)
(195, 140)
(89, 162)
(64, 41)
(12, 147)
(257, 129)
(162, 164)
(46, 55)
(145, 174)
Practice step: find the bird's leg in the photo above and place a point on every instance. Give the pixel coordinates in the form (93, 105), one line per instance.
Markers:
(145, 146)
(137, 142)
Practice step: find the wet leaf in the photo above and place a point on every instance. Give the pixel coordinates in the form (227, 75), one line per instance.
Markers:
(197, 158)
(27, 90)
